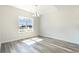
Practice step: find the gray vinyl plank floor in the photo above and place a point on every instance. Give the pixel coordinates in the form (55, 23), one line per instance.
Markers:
(39, 45)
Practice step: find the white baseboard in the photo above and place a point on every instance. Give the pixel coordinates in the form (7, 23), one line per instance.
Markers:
(62, 39)
(18, 39)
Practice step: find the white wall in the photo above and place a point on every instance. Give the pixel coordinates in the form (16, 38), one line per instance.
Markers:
(0, 35)
(10, 25)
(0, 26)
(60, 22)
(37, 24)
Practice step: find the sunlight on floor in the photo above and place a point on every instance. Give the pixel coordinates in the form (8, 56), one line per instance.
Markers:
(32, 41)
(37, 39)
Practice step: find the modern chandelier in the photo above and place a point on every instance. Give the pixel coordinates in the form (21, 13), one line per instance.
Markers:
(36, 11)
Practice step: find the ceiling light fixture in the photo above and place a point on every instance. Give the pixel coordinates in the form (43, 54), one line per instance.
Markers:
(36, 11)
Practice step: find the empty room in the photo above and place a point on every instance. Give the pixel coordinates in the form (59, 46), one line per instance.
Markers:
(39, 28)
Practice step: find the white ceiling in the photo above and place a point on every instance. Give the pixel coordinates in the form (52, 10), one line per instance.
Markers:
(31, 8)
(45, 8)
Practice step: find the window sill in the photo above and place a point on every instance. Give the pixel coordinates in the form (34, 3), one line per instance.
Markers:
(25, 30)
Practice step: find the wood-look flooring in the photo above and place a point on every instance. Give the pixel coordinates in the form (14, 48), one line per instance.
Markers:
(39, 45)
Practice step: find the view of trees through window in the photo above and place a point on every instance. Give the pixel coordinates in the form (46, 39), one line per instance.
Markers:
(25, 24)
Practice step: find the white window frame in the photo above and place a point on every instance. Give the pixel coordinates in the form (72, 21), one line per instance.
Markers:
(26, 30)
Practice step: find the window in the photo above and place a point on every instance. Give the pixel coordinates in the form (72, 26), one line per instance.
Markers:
(25, 24)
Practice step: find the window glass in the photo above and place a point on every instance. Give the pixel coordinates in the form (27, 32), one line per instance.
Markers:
(25, 24)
